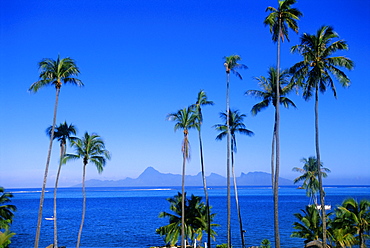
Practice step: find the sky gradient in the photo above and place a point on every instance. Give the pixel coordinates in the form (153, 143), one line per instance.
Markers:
(140, 60)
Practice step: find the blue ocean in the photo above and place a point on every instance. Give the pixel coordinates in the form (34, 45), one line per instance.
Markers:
(128, 217)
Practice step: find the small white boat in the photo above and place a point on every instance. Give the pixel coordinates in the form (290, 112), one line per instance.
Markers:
(327, 207)
(50, 218)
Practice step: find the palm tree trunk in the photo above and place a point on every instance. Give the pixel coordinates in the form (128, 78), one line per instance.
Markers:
(228, 162)
(273, 157)
(205, 190)
(62, 152)
(39, 216)
(83, 206)
(277, 139)
(183, 202)
(323, 215)
(237, 200)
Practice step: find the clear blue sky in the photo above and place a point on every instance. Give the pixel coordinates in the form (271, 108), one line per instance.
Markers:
(140, 60)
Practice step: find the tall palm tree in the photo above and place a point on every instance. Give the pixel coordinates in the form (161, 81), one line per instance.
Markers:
(6, 210)
(62, 133)
(269, 97)
(89, 148)
(202, 100)
(315, 73)
(185, 120)
(309, 176)
(231, 65)
(55, 73)
(236, 125)
(357, 216)
(280, 20)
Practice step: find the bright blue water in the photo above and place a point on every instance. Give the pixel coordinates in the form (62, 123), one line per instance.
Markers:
(124, 217)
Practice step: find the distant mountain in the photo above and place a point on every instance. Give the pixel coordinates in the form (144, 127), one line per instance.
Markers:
(153, 178)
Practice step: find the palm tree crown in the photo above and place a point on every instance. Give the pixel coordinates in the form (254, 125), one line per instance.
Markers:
(202, 100)
(309, 175)
(185, 120)
(90, 148)
(268, 92)
(318, 66)
(56, 72)
(62, 132)
(282, 18)
(231, 64)
(236, 126)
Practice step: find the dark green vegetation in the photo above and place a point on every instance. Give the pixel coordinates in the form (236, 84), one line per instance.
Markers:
(347, 225)
(195, 216)
(6, 218)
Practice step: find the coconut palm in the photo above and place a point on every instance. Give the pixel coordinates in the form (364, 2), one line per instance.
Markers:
(236, 125)
(231, 65)
(89, 148)
(309, 226)
(309, 176)
(280, 20)
(196, 220)
(315, 73)
(62, 133)
(269, 97)
(6, 210)
(202, 100)
(356, 216)
(185, 120)
(55, 73)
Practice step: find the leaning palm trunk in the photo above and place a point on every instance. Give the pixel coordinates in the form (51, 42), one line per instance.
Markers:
(39, 216)
(83, 206)
(277, 140)
(323, 214)
(62, 153)
(237, 200)
(205, 191)
(228, 162)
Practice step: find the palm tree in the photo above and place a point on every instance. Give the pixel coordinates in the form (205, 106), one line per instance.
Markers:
(315, 73)
(236, 125)
(269, 96)
(202, 100)
(309, 225)
(6, 210)
(231, 65)
(62, 133)
(280, 20)
(185, 120)
(89, 148)
(357, 216)
(309, 176)
(196, 220)
(56, 73)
